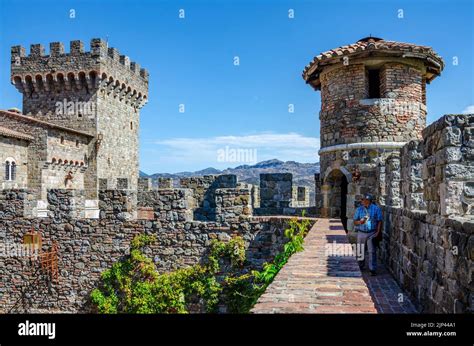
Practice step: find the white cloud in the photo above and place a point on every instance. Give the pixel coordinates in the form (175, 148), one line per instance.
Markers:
(177, 154)
(469, 110)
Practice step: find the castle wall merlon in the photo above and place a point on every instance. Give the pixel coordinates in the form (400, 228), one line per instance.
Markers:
(37, 50)
(448, 120)
(76, 47)
(56, 48)
(18, 51)
(99, 47)
(125, 60)
(114, 54)
(37, 68)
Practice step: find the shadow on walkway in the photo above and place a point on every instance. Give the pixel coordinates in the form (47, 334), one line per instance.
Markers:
(388, 297)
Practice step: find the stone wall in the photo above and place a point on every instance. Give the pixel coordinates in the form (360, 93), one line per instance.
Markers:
(412, 186)
(17, 203)
(349, 116)
(428, 224)
(89, 246)
(233, 205)
(204, 189)
(276, 191)
(278, 196)
(431, 257)
(169, 204)
(448, 165)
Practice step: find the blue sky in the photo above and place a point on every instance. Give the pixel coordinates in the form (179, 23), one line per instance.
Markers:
(228, 107)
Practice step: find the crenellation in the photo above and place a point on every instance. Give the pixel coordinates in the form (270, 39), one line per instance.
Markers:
(135, 67)
(114, 54)
(56, 48)
(111, 63)
(37, 50)
(76, 48)
(144, 73)
(165, 183)
(84, 91)
(145, 184)
(125, 60)
(98, 48)
(17, 51)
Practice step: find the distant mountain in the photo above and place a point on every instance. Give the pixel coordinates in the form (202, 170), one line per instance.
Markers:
(303, 173)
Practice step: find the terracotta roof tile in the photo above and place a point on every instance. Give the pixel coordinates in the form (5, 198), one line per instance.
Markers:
(14, 134)
(22, 117)
(373, 44)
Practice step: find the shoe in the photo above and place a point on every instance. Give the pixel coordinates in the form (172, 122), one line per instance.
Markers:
(373, 273)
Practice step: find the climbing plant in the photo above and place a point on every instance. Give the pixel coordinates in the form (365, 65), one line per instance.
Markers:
(132, 285)
(242, 292)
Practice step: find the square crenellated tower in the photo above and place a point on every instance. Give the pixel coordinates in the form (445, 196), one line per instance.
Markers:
(99, 92)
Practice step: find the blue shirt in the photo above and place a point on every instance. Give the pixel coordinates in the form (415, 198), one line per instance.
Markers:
(375, 215)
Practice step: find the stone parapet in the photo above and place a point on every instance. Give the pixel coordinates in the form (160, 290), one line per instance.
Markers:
(431, 257)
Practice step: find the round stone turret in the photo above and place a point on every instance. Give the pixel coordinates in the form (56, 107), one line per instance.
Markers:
(373, 90)
(373, 101)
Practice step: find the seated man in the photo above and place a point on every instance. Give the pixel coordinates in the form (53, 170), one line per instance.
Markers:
(368, 224)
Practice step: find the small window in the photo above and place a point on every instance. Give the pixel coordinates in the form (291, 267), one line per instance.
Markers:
(77, 143)
(374, 84)
(131, 125)
(10, 170)
(62, 139)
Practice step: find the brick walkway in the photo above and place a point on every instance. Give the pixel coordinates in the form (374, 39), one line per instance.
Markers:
(386, 294)
(313, 282)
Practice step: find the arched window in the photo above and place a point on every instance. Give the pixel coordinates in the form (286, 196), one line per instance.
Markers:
(10, 170)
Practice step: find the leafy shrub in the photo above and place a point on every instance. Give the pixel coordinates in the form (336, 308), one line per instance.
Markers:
(243, 292)
(133, 285)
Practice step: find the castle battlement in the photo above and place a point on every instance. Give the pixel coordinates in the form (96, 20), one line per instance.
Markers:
(101, 68)
(98, 92)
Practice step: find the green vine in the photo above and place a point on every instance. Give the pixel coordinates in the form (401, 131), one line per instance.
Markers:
(242, 292)
(133, 285)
